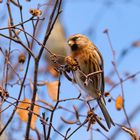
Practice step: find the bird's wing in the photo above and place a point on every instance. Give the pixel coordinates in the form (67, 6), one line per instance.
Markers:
(100, 59)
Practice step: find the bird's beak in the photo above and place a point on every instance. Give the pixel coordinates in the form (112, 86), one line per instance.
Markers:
(70, 43)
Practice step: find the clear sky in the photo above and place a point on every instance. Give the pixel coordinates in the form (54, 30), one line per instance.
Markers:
(92, 17)
(121, 18)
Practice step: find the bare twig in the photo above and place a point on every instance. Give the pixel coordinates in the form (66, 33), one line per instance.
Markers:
(52, 114)
(118, 75)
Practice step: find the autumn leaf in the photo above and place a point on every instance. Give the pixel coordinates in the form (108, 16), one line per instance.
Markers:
(52, 71)
(109, 81)
(35, 12)
(52, 89)
(23, 114)
(119, 103)
(3, 93)
(21, 58)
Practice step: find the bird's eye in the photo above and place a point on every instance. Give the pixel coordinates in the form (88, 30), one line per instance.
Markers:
(78, 38)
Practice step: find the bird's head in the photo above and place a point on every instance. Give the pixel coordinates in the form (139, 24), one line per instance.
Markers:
(78, 42)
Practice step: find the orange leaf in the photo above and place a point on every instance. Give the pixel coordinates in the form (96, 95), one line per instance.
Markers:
(52, 89)
(23, 114)
(109, 81)
(119, 102)
(52, 71)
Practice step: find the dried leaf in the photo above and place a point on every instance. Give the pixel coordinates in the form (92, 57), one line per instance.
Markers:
(93, 118)
(21, 58)
(35, 12)
(106, 94)
(3, 93)
(23, 114)
(52, 89)
(52, 71)
(119, 103)
(109, 81)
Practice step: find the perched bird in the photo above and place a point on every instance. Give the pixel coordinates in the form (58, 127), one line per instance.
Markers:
(90, 61)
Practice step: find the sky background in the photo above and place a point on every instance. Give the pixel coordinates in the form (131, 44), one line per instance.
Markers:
(92, 17)
(121, 19)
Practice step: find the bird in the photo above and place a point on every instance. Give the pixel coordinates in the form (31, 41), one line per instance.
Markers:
(89, 61)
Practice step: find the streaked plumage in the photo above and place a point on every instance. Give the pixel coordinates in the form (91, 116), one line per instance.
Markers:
(89, 60)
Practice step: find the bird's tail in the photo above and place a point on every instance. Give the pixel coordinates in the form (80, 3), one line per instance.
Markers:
(107, 117)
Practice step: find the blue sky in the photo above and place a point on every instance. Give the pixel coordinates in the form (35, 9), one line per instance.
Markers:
(121, 19)
(92, 18)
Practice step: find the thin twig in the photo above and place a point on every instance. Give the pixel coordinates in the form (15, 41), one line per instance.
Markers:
(77, 128)
(20, 92)
(19, 42)
(52, 113)
(118, 75)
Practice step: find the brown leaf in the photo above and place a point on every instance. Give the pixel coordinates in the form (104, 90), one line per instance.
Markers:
(119, 103)
(52, 71)
(35, 12)
(21, 58)
(52, 89)
(106, 94)
(23, 114)
(109, 81)
(3, 93)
